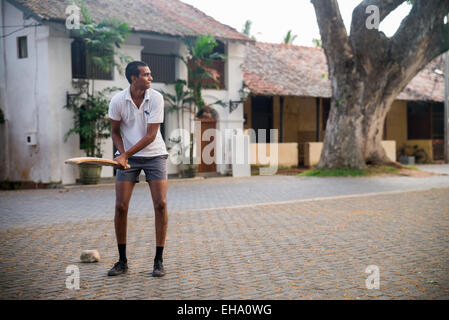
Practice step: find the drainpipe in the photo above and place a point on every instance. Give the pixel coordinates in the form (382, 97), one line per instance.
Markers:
(317, 119)
(281, 136)
(3, 97)
(446, 108)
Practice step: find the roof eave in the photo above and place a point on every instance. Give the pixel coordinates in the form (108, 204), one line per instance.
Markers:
(134, 30)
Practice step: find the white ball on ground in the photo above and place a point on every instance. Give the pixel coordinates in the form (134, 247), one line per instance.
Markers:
(90, 256)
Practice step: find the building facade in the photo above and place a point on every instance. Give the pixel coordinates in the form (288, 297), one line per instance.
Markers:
(291, 92)
(39, 61)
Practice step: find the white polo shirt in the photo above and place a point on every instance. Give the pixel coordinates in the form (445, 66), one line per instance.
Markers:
(133, 120)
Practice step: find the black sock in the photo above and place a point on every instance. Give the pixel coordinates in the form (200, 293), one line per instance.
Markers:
(122, 252)
(159, 251)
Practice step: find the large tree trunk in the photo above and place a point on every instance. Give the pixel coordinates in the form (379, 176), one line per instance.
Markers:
(368, 70)
(355, 127)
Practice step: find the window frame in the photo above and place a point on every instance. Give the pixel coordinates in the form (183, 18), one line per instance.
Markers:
(22, 47)
(87, 70)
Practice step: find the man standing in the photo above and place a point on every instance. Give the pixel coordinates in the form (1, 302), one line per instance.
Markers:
(136, 114)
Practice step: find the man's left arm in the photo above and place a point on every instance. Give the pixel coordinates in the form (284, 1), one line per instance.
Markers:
(148, 138)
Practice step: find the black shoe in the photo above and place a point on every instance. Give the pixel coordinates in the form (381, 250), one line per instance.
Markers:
(158, 269)
(118, 268)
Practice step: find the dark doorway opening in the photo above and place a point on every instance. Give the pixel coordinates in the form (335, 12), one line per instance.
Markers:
(262, 115)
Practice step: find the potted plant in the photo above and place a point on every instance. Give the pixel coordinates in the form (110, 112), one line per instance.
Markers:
(89, 106)
(405, 156)
(412, 154)
(91, 124)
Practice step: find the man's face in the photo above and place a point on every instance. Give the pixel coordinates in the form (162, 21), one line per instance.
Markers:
(144, 79)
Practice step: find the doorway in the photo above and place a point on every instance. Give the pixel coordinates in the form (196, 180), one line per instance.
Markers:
(262, 115)
(205, 125)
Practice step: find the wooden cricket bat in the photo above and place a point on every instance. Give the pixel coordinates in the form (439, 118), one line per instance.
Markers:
(93, 160)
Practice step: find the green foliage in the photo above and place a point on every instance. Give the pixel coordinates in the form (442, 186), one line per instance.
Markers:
(90, 120)
(202, 48)
(334, 173)
(317, 42)
(344, 172)
(420, 154)
(200, 66)
(289, 37)
(181, 99)
(90, 108)
(102, 39)
(247, 30)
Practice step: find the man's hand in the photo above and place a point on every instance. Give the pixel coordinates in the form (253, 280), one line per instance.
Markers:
(122, 162)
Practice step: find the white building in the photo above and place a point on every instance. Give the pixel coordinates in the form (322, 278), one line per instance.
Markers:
(36, 74)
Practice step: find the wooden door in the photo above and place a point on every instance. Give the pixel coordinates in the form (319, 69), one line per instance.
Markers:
(208, 124)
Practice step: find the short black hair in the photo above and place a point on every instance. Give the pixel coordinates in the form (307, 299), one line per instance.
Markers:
(132, 69)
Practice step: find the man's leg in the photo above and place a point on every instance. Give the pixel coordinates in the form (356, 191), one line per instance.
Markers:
(123, 191)
(158, 190)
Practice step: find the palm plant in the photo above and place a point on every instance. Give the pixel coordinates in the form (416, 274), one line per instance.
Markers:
(200, 69)
(289, 37)
(179, 102)
(200, 66)
(247, 29)
(317, 43)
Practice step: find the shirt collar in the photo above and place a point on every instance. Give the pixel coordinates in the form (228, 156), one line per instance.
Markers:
(128, 94)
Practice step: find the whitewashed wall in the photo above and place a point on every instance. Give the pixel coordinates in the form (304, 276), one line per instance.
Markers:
(26, 101)
(4, 163)
(60, 83)
(33, 93)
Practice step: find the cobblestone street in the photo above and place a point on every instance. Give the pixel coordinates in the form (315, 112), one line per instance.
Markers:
(307, 249)
(38, 207)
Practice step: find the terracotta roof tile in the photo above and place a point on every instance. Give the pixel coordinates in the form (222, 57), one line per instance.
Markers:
(289, 70)
(166, 17)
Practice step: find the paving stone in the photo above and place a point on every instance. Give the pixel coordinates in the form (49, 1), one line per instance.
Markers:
(298, 250)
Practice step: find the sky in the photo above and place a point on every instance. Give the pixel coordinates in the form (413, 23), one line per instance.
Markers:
(272, 19)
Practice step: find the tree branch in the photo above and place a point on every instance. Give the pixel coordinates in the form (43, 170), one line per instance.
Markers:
(421, 37)
(420, 31)
(359, 15)
(332, 29)
(362, 38)
(439, 42)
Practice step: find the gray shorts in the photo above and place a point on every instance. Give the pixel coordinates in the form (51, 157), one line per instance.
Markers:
(155, 168)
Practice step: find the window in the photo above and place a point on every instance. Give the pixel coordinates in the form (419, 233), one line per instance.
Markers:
(22, 47)
(418, 121)
(162, 67)
(82, 65)
(425, 120)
